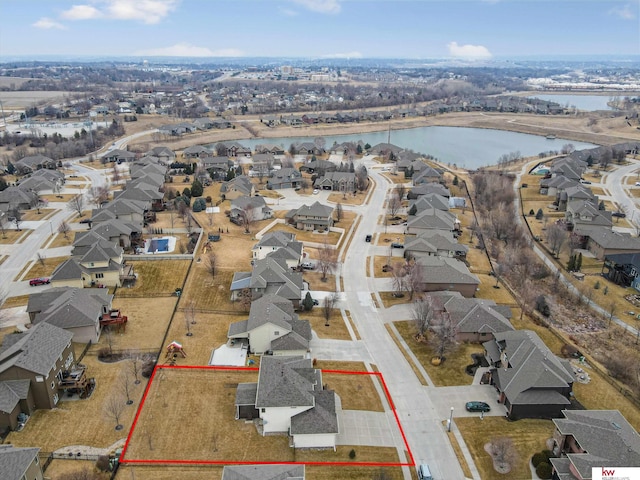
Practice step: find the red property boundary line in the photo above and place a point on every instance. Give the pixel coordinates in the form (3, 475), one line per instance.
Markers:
(220, 462)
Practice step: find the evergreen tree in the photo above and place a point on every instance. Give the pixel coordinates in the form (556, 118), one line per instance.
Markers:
(413, 210)
(601, 205)
(231, 174)
(307, 303)
(579, 262)
(196, 188)
(539, 214)
(455, 180)
(186, 192)
(571, 264)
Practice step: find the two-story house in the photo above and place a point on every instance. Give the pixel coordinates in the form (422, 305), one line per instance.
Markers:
(311, 217)
(237, 187)
(281, 245)
(337, 181)
(20, 463)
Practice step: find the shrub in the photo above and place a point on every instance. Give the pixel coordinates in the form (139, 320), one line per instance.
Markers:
(597, 285)
(352, 454)
(539, 214)
(103, 353)
(147, 368)
(544, 470)
(102, 463)
(538, 458)
(542, 306)
(531, 212)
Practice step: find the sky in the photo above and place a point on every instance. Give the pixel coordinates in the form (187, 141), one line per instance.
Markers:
(413, 29)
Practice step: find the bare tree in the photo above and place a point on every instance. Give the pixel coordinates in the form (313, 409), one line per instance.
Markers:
(188, 222)
(3, 225)
(401, 191)
(444, 333)
(339, 213)
(99, 195)
(328, 304)
(422, 312)
(210, 264)
(115, 174)
(504, 452)
(135, 364)
(304, 184)
(36, 200)
(247, 218)
(109, 338)
(64, 229)
(362, 178)
(124, 383)
(556, 237)
(76, 204)
(327, 260)
(398, 275)
(113, 408)
(394, 205)
(414, 278)
(15, 213)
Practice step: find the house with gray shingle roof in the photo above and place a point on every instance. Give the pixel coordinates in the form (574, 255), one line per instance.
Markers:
(290, 399)
(255, 208)
(44, 356)
(164, 154)
(434, 242)
(311, 217)
(34, 162)
(431, 218)
(430, 200)
(426, 175)
(586, 218)
(236, 187)
(119, 156)
(604, 242)
(273, 327)
(446, 274)
(196, 151)
(263, 472)
(337, 181)
(281, 245)
(476, 319)
(20, 463)
(426, 188)
(15, 398)
(284, 178)
(76, 310)
(586, 439)
(532, 381)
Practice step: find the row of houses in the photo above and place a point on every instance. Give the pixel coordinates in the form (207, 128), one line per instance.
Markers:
(26, 194)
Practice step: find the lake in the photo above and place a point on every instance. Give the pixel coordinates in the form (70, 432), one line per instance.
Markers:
(466, 147)
(588, 103)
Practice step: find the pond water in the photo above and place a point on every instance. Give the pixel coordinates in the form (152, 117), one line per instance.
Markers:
(466, 147)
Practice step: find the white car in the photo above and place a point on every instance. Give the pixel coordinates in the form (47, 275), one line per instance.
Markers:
(637, 184)
(316, 191)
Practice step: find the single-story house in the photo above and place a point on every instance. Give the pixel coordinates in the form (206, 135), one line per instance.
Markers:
(448, 274)
(255, 208)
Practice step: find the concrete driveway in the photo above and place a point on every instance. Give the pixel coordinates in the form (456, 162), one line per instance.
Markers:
(376, 429)
(444, 398)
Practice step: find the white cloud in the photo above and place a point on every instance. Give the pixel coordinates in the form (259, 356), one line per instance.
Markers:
(146, 11)
(625, 12)
(47, 24)
(184, 49)
(81, 12)
(468, 51)
(321, 6)
(343, 55)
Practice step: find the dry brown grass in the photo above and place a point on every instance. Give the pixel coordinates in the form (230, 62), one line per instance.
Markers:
(156, 278)
(332, 238)
(336, 329)
(64, 197)
(169, 472)
(314, 278)
(14, 236)
(83, 422)
(499, 295)
(314, 472)
(208, 293)
(413, 366)
(60, 241)
(357, 392)
(380, 261)
(44, 268)
(33, 215)
(17, 301)
(385, 239)
(395, 178)
(456, 448)
(451, 371)
(174, 398)
(348, 199)
(60, 468)
(148, 320)
(389, 300)
(529, 436)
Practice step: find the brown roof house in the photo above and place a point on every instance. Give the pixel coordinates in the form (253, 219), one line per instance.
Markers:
(76, 310)
(446, 274)
(43, 357)
(20, 463)
(312, 217)
(273, 328)
(585, 439)
(289, 399)
(532, 381)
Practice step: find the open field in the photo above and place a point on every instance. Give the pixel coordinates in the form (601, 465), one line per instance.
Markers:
(314, 278)
(159, 277)
(487, 290)
(451, 371)
(21, 99)
(348, 199)
(529, 436)
(215, 435)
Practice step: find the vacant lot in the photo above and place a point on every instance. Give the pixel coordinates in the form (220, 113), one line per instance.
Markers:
(209, 293)
(19, 100)
(202, 403)
(45, 267)
(529, 437)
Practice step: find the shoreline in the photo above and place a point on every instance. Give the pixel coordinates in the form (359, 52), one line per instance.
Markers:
(600, 130)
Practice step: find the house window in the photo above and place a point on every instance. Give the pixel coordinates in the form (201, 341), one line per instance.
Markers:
(91, 264)
(39, 379)
(53, 385)
(99, 275)
(263, 410)
(276, 332)
(55, 399)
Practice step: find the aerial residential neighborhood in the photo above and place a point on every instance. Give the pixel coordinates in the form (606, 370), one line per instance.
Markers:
(316, 267)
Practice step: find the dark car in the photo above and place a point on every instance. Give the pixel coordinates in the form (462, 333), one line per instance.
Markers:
(477, 407)
(86, 220)
(39, 281)
(316, 302)
(397, 245)
(618, 214)
(367, 238)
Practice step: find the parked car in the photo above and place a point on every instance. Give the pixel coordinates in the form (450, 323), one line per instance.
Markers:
(307, 265)
(316, 302)
(618, 214)
(39, 281)
(85, 220)
(477, 407)
(367, 238)
(637, 184)
(397, 245)
(316, 191)
(586, 182)
(424, 472)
